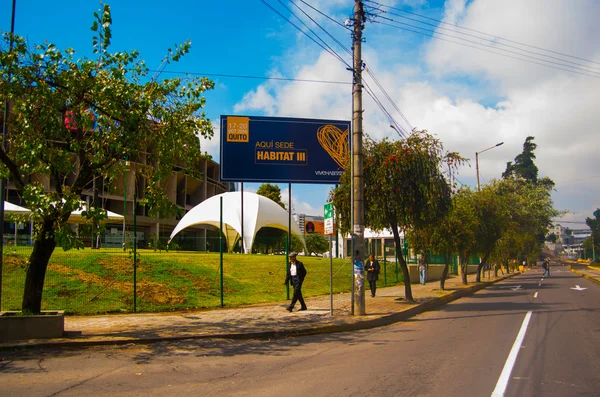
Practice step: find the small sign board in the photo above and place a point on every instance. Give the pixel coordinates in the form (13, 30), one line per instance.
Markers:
(328, 215)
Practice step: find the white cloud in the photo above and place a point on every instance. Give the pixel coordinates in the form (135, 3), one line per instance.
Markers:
(472, 100)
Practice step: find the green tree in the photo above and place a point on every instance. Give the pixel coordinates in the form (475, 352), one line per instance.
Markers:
(594, 225)
(405, 188)
(528, 211)
(74, 120)
(551, 238)
(455, 234)
(523, 166)
(316, 243)
(492, 221)
(272, 192)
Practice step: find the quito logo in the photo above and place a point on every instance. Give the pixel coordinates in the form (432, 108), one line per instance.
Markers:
(335, 143)
(238, 129)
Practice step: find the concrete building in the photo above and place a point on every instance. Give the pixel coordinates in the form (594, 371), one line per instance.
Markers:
(182, 189)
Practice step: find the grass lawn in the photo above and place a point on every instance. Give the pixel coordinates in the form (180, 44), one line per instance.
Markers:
(102, 281)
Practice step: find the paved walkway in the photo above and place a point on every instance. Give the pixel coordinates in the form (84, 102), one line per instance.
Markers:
(258, 321)
(589, 272)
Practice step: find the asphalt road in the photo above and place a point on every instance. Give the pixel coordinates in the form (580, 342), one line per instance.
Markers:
(459, 350)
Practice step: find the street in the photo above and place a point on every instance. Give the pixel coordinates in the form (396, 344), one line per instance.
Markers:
(463, 349)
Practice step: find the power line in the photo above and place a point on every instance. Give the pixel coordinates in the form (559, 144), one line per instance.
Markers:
(493, 47)
(333, 53)
(484, 33)
(486, 50)
(258, 77)
(323, 14)
(491, 43)
(398, 128)
(369, 71)
(321, 27)
(312, 31)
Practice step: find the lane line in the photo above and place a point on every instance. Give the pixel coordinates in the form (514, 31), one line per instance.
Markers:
(512, 358)
(535, 295)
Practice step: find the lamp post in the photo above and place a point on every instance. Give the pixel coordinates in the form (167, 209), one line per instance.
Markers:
(477, 160)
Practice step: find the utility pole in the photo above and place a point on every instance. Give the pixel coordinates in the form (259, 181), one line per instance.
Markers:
(358, 230)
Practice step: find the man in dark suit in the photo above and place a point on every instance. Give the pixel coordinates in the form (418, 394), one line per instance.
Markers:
(372, 269)
(296, 273)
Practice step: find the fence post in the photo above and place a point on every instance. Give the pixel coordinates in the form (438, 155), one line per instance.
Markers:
(384, 267)
(135, 249)
(221, 246)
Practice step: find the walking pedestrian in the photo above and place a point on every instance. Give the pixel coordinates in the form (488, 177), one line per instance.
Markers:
(546, 266)
(423, 268)
(296, 273)
(372, 268)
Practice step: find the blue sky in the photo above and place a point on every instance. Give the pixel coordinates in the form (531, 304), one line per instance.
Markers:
(470, 98)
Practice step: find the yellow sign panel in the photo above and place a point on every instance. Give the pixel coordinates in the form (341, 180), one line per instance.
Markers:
(238, 129)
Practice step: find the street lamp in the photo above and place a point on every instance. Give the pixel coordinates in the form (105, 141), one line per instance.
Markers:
(477, 160)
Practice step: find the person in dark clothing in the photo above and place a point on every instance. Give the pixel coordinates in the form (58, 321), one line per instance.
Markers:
(372, 269)
(296, 273)
(546, 266)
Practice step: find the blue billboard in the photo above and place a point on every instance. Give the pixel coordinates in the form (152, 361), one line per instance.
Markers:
(283, 150)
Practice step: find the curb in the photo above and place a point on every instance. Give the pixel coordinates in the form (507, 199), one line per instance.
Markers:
(584, 275)
(326, 329)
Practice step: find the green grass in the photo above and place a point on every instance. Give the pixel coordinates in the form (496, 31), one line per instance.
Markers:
(101, 281)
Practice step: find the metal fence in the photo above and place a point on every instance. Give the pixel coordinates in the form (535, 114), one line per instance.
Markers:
(161, 278)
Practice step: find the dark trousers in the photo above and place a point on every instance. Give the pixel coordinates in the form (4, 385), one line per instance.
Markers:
(297, 284)
(373, 285)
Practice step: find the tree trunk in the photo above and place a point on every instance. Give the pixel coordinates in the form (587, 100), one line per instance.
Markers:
(43, 248)
(445, 271)
(481, 265)
(400, 256)
(464, 267)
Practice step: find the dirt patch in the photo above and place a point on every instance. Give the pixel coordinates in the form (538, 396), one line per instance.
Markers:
(11, 261)
(149, 292)
(198, 283)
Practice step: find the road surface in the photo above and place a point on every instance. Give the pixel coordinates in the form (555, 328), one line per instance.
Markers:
(528, 336)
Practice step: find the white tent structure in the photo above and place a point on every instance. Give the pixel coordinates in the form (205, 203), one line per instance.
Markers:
(259, 212)
(10, 208)
(77, 217)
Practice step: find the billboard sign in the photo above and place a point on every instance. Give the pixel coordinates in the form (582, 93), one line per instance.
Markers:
(283, 150)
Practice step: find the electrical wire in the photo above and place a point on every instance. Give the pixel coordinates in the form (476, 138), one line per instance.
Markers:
(258, 77)
(323, 14)
(492, 52)
(579, 68)
(480, 32)
(369, 71)
(333, 53)
(491, 43)
(369, 91)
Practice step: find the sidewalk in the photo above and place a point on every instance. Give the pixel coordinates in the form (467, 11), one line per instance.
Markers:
(590, 272)
(258, 321)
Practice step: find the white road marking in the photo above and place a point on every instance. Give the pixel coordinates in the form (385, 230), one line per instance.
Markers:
(512, 358)
(540, 284)
(578, 288)
(535, 295)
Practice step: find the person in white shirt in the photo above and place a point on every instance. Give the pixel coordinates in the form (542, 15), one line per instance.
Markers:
(296, 273)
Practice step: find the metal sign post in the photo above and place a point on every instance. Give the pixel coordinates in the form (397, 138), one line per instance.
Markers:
(328, 216)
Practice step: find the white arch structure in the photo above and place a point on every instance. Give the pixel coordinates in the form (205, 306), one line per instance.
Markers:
(259, 212)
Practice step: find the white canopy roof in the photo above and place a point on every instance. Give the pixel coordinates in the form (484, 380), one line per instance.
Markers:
(15, 209)
(259, 212)
(77, 217)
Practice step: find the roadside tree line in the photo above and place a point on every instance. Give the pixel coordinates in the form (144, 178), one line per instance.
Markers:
(408, 189)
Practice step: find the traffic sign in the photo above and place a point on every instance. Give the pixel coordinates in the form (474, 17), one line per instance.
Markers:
(328, 211)
(328, 215)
